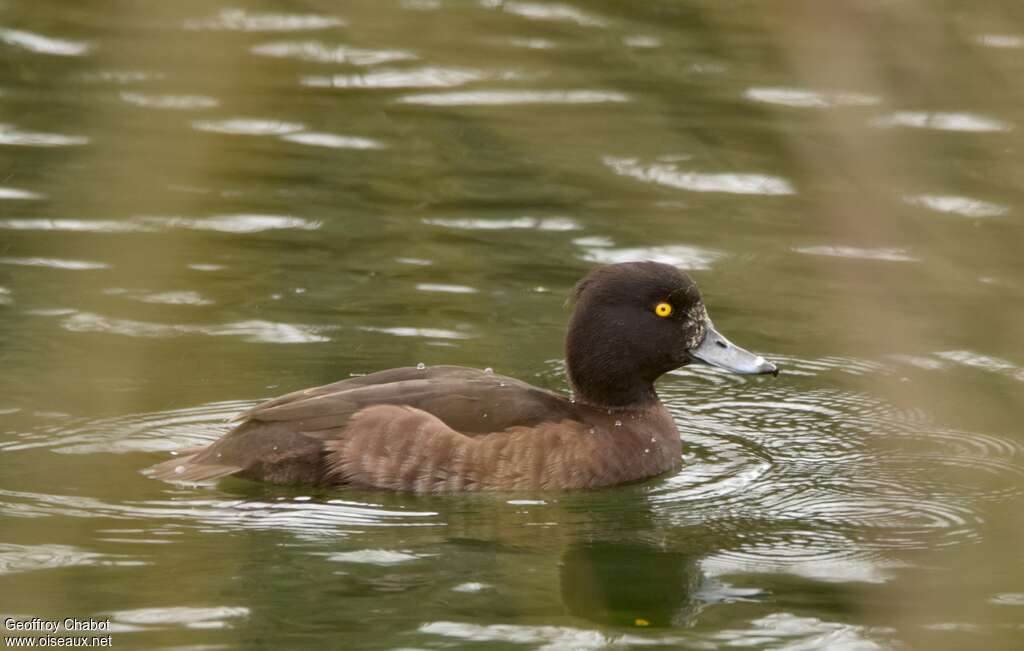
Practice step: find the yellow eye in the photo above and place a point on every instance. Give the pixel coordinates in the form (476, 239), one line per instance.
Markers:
(663, 309)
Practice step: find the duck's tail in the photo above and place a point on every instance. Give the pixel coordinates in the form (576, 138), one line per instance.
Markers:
(190, 467)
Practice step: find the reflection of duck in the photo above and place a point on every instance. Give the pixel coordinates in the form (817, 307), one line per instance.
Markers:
(627, 569)
(450, 428)
(630, 584)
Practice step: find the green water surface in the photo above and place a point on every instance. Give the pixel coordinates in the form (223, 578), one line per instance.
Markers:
(204, 204)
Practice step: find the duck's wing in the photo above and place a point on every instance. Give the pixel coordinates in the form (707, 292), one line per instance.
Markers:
(465, 399)
(380, 378)
(407, 449)
(282, 440)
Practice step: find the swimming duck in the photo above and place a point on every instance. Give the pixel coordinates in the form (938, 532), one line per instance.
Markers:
(449, 428)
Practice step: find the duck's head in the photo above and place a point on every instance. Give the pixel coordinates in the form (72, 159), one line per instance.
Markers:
(633, 322)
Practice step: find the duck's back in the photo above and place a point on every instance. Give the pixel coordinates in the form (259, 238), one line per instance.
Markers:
(439, 429)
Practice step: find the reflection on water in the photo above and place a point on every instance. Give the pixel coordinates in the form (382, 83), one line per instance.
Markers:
(320, 53)
(255, 331)
(808, 98)
(886, 254)
(42, 44)
(16, 194)
(1008, 41)
(222, 223)
(249, 127)
(630, 584)
(549, 224)
(179, 102)
(414, 78)
(963, 206)
(667, 174)
(11, 135)
(510, 98)
(241, 20)
(187, 187)
(689, 257)
(942, 121)
(25, 558)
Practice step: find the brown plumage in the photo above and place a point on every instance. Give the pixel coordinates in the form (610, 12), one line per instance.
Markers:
(449, 428)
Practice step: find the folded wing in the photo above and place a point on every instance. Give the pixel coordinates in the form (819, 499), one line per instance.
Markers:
(288, 439)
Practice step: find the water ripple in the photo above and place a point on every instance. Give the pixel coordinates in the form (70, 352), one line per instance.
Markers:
(885, 254)
(546, 638)
(1007, 41)
(680, 255)
(430, 77)
(319, 53)
(845, 479)
(984, 362)
(10, 135)
(549, 12)
(1008, 599)
(43, 44)
(802, 98)
(373, 557)
(122, 76)
(254, 331)
(793, 633)
(55, 263)
(964, 206)
(223, 223)
(514, 97)
(334, 141)
(641, 41)
(235, 223)
(243, 21)
(148, 432)
(447, 289)
(426, 333)
(473, 224)
(815, 555)
(174, 102)
(185, 297)
(185, 616)
(967, 122)
(670, 175)
(300, 516)
(532, 43)
(16, 194)
(26, 558)
(71, 225)
(249, 126)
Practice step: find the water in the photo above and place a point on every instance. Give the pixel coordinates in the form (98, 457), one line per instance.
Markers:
(205, 205)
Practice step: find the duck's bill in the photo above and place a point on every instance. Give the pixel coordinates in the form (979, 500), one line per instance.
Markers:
(718, 351)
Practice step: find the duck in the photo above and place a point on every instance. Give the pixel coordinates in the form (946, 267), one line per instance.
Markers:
(449, 429)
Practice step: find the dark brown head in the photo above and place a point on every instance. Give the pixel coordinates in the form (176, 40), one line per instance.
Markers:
(635, 321)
